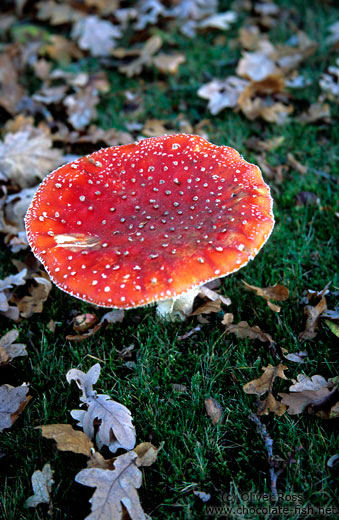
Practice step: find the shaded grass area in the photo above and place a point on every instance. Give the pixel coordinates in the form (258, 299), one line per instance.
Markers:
(301, 254)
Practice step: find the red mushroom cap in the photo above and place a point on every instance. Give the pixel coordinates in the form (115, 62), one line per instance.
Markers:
(135, 224)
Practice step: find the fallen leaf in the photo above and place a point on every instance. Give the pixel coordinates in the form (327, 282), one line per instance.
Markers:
(296, 165)
(270, 404)
(96, 35)
(168, 63)
(145, 57)
(313, 383)
(208, 307)
(312, 321)
(10, 350)
(267, 146)
(329, 82)
(11, 92)
(67, 438)
(56, 13)
(265, 382)
(81, 107)
(315, 112)
(221, 21)
(244, 330)
(179, 388)
(275, 292)
(296, 357)
(115, 429)
(275, 173)
(42, 482)
(38, 294)
(227, 319)
(115, 316)
(214, 410)
(12, 403)
(83, 322)
(114, 488)
(26, 157)
(256, 66)
(222, 93)
(316, 401)
(147, 454)
(333, 326)
(306, 198)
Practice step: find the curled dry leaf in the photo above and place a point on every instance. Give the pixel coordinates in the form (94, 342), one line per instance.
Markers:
(145, 57)
(276, 292)
(244, 330)
(87, 321)
(147, 454)
(114, 489)
(38, 294)
(10, 350)
(115, 429)
(42, 482)
(11, 92)
(168, 63)
(12, 402)
(214, 410)
(312, 321)
(222, 93)
(296, 357)
(67, 438)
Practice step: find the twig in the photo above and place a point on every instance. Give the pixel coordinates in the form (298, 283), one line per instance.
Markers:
(275, 471)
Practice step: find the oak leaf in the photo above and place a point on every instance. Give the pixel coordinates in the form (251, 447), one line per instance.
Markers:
(115, 428)
(115, 489)
(42, 482)
(12, 403)
(244, 330)
(67, 438)
(96, 35)
(276, 292)
(214, 410)
(10, 350)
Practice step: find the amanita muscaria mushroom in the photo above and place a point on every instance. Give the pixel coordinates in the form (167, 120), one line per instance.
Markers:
(149, 222)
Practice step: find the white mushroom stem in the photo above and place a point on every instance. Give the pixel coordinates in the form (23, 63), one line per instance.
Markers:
(177, 309)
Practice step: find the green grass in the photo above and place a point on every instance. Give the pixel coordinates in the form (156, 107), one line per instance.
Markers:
(301, 254)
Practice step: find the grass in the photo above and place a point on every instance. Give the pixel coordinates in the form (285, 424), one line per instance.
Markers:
(301, 254)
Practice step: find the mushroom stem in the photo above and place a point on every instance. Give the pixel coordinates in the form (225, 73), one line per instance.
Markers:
(178, 308)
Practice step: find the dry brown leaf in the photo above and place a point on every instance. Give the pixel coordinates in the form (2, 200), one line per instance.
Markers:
(115, 316)
(83, 322)
(38, 294)
(270, 404)
(214, 410)
(296, 357)
(155, 128)
(312, 321)
(61, 49)
(296, 165)
(27, 156)
(265, 146)
(275, 173)
(145, 57)
(147, 454)
(67, 438)
(227, 319)
(56, 13)
(276, 292)
(244, 330)
(265, 382)
(81, 107)
(96, 460)
(115, 488)
(11, 92)
(208, 307)
(169, 63)
(95, 134)
(315, 112)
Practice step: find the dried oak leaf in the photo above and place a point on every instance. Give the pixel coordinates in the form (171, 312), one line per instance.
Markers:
(222, 93)
(214, 410)
(27, 156)
(38, 294)
(296, 357)
(81, 107)
(312, 321)
(244, 330)
(7, 310)
(265, 382)
(10, 350)
(96, 35)
(12, 402)
(145, 56)
(275, 292)
(115, 316)
(56, 13)
(114, 489)
(314, 395)
(11, 92)
(67, 438)
(255, 66)
(61, 49)
(115, 429)
(42, 482)
(262, 385)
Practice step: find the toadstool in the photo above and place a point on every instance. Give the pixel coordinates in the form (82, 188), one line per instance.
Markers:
(149, 222)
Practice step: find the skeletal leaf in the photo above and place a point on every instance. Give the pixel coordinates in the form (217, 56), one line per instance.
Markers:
(115, 428)
(67, 438)
(12, 402)
(42, 482)
(114, 489)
